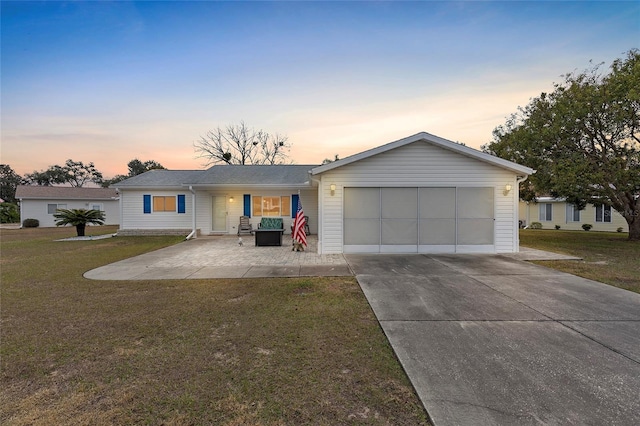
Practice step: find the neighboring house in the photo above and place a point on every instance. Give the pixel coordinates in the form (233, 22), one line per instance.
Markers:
(556, 211)
(41, 202)
(418, 194)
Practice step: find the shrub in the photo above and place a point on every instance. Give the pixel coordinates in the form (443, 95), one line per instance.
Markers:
(535, 225)
(9, 213)
(586, 226)
(619, 229)
(557, 227)
(30, 223)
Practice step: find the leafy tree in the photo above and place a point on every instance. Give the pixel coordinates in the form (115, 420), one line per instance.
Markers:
(239, 144)
(583, 139)
(329, 160)
(9, 180)
(136, 167)
(79, 218)
(75, 173)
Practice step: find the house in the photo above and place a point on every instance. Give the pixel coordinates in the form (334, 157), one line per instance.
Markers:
(552, 212)
(418, 194)
(41, 202)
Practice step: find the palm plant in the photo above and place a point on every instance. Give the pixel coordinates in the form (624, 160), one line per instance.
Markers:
(79, 218)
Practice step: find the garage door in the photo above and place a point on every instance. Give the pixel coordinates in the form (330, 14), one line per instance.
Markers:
(418, 220)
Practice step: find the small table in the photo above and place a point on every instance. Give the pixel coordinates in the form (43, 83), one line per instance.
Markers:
(268, 237)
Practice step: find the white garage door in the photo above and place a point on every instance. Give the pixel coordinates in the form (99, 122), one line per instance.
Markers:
(418, 220)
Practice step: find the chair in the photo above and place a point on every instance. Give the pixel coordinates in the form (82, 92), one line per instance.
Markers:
(306, 225)
(245, 227)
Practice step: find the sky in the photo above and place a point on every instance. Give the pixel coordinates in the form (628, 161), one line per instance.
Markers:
(107, 82)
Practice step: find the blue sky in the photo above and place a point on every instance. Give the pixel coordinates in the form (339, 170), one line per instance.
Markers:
(111, 81)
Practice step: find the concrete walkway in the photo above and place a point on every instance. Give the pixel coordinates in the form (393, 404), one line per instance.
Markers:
(490, 340)
(224, 257)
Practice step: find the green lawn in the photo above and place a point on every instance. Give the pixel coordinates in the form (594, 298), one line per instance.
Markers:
(607, 257)
(179, 352)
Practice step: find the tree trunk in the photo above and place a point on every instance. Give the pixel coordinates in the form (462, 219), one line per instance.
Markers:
(634, 229)
(80, 230)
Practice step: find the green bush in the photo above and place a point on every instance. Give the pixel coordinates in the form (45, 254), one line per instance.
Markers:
(30, 223)
(557, 227)
(586, 226)
(9, 213)
(535, 225)
(619, 229)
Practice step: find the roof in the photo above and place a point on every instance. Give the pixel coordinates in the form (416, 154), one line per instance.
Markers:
(434, 140)
(64, 193)
(278, 175)
(160, 178)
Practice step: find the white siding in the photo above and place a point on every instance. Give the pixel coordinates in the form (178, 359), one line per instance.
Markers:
(417, 165)
(133, 216)
(529, 212)
(37, 209)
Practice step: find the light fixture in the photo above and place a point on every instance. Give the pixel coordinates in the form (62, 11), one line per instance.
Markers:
(507, 189)
(332, 187)
(231, 199)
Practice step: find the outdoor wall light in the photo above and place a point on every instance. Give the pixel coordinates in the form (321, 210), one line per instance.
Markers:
(231, 199)
(332, 187)
(507, 189)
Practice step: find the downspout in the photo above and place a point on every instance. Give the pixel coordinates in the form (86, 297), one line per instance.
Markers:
(519, 180)
(320, 211)
(194, 231)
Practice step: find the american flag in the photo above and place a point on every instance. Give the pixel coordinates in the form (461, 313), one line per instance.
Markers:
(298, 226)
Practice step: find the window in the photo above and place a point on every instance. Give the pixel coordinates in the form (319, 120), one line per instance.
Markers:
(603, 213)
(164, 204)
(51, 208)
(546, 212)
(97, 207)
(271, 206)
(573, 214)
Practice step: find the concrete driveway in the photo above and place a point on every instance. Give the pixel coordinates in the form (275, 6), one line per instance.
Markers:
(490, 340)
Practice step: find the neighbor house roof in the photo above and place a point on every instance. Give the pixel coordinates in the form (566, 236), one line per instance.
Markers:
(434, 140)
(26, 192)
(268, 175)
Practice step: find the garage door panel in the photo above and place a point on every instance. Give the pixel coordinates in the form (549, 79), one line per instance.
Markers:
(437, 203)
(437, 231)
(362, 203)
(361, 231)
(475, 231)
(475, 203)
(399, 231)
(399, 203)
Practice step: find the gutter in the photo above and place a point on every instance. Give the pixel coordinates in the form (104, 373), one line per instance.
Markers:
(194, 230)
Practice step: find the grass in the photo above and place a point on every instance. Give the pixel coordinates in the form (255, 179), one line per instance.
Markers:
(180, 352)
(607, 257)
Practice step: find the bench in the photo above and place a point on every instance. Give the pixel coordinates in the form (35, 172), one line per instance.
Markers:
(269, 232)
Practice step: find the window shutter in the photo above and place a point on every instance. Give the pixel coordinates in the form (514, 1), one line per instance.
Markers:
(294, 205)
(182, 207)
(147, 203)
(247, 205)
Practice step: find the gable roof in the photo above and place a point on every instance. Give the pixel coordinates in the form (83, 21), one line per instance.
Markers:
(64, 193)
(431, 139)
(160, 178)
(265, 175)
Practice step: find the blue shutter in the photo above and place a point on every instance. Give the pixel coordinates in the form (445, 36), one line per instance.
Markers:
(247, 205)
(182, 208)
(147, 203)
(294, 205)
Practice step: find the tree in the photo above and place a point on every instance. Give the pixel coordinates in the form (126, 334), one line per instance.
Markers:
(329, 160)
(9, 180)
(239, 144)
(583, 139)
(75, 173)
(79, 218)
(136, 167)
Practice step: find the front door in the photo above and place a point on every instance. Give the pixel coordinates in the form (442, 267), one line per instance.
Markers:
(219, 208)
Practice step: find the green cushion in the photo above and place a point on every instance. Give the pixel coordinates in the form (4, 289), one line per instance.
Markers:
(271, 223)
